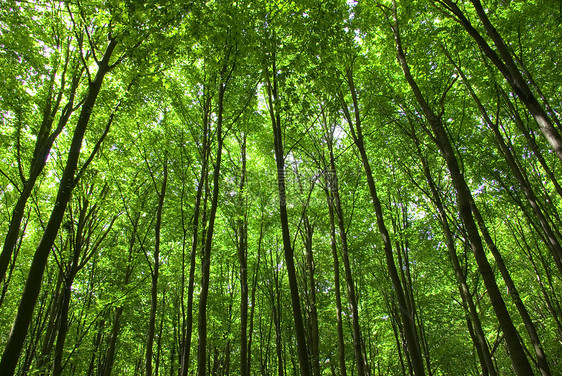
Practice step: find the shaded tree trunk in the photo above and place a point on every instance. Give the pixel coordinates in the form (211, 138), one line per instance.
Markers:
(506, 65)
(32, 287)
(275, 115)
(464, 197)
(406, 316)
(206, 260)
(155, 274)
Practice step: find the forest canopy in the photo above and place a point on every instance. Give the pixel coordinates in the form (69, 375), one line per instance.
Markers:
(275, 187)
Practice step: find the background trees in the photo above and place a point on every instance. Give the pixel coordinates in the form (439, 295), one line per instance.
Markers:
(255, 166)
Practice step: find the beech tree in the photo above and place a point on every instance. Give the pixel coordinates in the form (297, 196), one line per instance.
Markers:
(314, 188)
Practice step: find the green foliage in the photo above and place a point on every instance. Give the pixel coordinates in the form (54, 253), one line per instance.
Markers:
(161, 98)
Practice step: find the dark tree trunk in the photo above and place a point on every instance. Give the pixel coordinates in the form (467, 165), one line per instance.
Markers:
(407, 317)
(32, 287)
(275, 115)
(242, 232)
(206, 260)
(358, 350)
(506, 65)
(43, 144)
(155, 275)
(464, 197)
(473, 320)
(186, 341)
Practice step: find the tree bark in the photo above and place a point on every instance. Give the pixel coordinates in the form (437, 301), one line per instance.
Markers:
(506, 65)
(242, 245)
(42, 149)
(358, 350)
(206, 260)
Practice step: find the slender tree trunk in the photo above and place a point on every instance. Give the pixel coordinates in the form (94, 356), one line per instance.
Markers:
(43, 145)
(32, 287)
(464, 197)
(358, 349)
(406, 316)
(473, 321)
(313, 313)
(552, 240)
(527, 321)
(111, 349)
(253, 297)
(155, 275)
(275, 115)
(206, 260)
(341, 338)
(242, 231)
(186, 341)
(553, 243)
(531, 141)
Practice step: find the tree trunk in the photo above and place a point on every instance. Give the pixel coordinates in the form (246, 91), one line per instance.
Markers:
(43, 145)
(242, 232)
(32, 287)
(406, 316)
(505, 64)
(464, 197)
(473, 321)
(206, 260)
(358, 349)
(275, 115)
(155, 275)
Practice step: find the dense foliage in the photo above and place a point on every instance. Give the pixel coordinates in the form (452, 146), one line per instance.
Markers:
(273, 187)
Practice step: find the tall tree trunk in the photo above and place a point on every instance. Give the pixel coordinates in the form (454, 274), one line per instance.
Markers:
(552, 240)
(242, 245)
(155, 275)
(44, 142)
(464, 197)
(275, 115)
(186, 341)
(358, 350)
(111, 348)
(313, 313)
(206, 260)
(406, 316)
(253, 297)
(32, 287)
(473, 321)
(336, 263)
